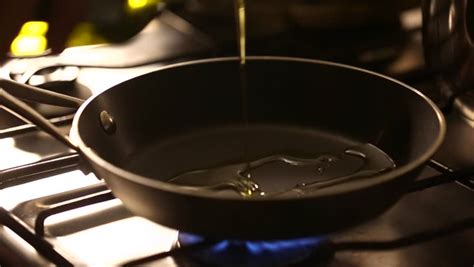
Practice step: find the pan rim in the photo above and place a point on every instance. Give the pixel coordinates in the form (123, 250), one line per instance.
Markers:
(352, 186)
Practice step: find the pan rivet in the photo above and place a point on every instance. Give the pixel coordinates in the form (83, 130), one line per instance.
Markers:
(107, 122)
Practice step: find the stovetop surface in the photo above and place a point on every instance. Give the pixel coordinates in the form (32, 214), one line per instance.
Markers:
(107, 234)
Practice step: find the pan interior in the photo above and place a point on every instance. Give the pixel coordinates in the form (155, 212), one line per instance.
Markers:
(277, 160)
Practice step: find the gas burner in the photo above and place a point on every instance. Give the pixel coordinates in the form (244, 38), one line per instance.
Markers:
(236, 253)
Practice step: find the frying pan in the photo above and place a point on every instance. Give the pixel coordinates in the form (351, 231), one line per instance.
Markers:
(119, 131)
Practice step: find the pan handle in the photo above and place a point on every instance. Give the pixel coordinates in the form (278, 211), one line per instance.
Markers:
(39, 95)
(27, 112)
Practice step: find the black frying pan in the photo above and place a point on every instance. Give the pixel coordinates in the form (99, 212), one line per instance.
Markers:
(130, 134)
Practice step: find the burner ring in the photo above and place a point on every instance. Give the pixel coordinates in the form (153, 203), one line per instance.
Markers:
(237, 253)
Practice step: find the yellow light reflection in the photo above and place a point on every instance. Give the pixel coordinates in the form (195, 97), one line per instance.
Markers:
(34, 28)
(137, 4)
(24, 45)
(84, 34)
(31, 41)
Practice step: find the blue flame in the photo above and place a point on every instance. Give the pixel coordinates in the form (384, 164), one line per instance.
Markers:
(236, 253)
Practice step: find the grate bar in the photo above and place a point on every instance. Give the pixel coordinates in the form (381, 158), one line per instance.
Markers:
(42, 246)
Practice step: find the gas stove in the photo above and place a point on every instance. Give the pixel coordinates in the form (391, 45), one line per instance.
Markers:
(53, 214)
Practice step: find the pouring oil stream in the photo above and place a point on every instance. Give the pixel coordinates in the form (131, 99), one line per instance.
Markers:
(250, 186)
